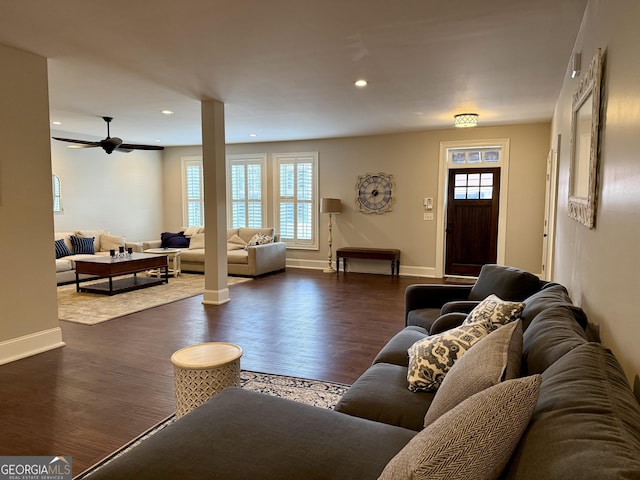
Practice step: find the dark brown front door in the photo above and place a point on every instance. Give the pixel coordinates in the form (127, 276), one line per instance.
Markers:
(473, 200)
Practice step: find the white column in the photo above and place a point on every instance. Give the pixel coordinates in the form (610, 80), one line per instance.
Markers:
(215, 211)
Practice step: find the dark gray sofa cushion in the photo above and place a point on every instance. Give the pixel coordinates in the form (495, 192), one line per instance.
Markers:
(381, 394)
(508, 283)
(552, 295)
(396, 349)
(552, 334)
(241, 434)
(586, 424)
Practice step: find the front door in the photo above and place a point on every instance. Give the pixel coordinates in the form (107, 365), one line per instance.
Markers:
(473, 200)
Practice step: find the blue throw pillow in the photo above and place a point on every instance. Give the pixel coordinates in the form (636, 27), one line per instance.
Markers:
(61, 249)
(82, 245)
(173, 240)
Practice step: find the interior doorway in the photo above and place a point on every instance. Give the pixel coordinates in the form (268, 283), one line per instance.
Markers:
(473, 205)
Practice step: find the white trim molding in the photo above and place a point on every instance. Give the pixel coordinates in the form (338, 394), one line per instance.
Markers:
(32, 344)
(216, 297)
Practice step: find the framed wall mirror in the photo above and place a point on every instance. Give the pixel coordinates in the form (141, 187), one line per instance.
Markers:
(585, 127)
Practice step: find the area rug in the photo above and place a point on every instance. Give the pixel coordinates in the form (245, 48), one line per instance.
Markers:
(93, 308)
(312, 392)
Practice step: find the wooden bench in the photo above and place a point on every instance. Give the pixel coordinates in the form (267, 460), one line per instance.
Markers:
(370, 254)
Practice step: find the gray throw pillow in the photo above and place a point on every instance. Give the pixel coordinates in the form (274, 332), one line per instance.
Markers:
(431, 358)
(495, 358)
(475, 439)
(495, 311)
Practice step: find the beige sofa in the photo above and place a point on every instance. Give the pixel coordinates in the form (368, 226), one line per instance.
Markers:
(243, 259)
(103, 241)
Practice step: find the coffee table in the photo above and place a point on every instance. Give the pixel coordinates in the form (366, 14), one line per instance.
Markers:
(110, 267)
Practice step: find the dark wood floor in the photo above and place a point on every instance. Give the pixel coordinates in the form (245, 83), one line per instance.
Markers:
(114, 380)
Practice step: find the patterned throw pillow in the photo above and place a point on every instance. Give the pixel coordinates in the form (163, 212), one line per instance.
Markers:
(431, 358)
(82, 245)
(259, 239)
(61, 249)
(475, 439)
(495, 311)
(495, 358)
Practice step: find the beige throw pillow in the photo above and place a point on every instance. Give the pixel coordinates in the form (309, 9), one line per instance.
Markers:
(493, 359)
(197, 241)
(431, 358)
(235, 243)
(475, 439)
(495, 311)
(111, 242)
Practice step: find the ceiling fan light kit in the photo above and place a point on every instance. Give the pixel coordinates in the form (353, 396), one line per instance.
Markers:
(109, 144)
(465, 120)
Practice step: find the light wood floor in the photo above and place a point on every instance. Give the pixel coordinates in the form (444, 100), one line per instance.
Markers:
(114, 380)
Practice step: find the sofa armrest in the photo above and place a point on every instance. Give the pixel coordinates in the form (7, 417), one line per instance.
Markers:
(447, 322)
(432, 295)
(268, 257)
(459, 306)
(151, 244)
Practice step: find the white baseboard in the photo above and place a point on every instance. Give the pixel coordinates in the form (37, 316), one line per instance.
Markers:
(28, 345)
(216, 297)
(359, 266)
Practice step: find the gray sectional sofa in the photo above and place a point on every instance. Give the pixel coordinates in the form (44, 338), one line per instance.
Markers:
(582, 423)
(243, 257)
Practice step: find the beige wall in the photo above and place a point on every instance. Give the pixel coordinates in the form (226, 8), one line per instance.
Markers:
(413, 160)
(28, 319)
(121, 192)
(600, 266)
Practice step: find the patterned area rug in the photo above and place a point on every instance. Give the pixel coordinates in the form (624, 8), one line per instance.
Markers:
(311, 392)
(92, 308)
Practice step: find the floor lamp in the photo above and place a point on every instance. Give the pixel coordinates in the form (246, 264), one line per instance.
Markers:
(330, 206)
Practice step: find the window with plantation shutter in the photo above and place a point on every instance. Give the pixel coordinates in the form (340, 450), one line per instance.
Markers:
(57, 196)
(246, 188)
(192, 192)
(296, 200)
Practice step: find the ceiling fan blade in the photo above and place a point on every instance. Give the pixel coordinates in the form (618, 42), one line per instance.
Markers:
(123, 150)
(86, 143)
(133, 146)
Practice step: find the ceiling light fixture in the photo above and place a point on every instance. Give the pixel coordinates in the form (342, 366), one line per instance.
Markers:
(465, 120)
(253, 134)
(168, 112)
(361, 83)
(57, 123)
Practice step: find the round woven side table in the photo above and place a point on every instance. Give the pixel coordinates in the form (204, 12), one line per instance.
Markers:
(203, 370)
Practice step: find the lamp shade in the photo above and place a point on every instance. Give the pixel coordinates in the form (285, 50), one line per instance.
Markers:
(330, 205)
(464, 120)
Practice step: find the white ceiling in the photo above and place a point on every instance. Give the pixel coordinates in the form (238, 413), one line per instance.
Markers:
(285, 68)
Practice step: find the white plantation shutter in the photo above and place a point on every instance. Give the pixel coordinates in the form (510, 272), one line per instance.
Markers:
(192, 191)
(246, 188)
(297, 198)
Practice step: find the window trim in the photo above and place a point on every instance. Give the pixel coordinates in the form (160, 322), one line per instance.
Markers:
(295, 157)
(247, 159)
(186, 161)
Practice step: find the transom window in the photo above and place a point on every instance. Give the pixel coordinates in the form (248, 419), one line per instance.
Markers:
(471, 156)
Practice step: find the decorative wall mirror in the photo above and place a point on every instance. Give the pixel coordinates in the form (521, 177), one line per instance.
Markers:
(585, 126)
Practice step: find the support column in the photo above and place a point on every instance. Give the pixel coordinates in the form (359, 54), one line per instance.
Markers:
(215, 210)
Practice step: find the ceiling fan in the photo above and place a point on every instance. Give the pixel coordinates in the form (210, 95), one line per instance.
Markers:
(109, 144)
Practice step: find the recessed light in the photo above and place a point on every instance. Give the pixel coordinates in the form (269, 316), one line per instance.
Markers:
(361, 83)
(57, 123)
(253, 134)
(168, 112)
